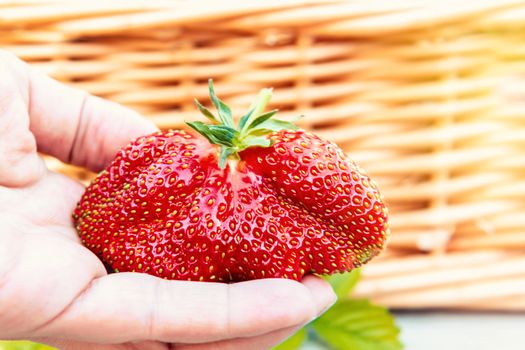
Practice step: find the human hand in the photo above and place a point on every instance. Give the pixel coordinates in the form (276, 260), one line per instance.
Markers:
(54, 290)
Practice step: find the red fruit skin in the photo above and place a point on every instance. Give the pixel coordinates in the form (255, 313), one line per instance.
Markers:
(165, 208)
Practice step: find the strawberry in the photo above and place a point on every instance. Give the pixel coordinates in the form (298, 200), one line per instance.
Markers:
(231, 203)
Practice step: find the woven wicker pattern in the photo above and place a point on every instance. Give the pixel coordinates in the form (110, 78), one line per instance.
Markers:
(428, 96)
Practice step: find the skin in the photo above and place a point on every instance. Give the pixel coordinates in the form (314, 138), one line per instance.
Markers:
(54, 290)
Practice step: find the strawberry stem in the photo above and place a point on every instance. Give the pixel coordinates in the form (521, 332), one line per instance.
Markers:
(251, 131)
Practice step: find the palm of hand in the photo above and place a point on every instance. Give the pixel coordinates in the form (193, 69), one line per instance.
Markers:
(40, 248)
(52, 288)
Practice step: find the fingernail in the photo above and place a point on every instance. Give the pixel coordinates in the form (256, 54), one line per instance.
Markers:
(329, 305)
(326, 308)
(331, 301)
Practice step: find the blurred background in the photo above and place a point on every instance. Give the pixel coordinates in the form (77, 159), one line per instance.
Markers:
(428, 96)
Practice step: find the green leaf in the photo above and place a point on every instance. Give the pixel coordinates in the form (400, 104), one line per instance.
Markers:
(294, 342)
(205, 111)
(358, 325)
(224, 111)
(259, 141)
(272, 125)
(343, 283)
(260, 103)
(203, 129)
(22, 345)
(262, 118)
(244, 119)
(216, 134)
(223, 133)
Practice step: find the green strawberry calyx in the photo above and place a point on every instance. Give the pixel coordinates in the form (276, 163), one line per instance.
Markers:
(252, 130)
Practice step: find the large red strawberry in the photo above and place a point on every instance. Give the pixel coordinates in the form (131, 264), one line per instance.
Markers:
(254, 200)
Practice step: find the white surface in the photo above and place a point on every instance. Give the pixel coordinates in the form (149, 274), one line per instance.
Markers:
(462, 331)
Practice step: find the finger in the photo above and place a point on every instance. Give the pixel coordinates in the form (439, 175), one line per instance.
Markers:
(74, 126)
(127, 307)
(322, 292)
(19, 162)
(76, 345)
(261, 342)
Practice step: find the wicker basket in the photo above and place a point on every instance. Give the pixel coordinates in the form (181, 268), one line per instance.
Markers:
(428, 96)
